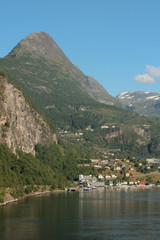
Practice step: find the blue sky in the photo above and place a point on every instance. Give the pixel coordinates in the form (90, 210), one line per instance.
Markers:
(115, 41)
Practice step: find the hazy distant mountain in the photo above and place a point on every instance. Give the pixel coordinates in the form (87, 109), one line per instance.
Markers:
(146, 103)
(75, 101)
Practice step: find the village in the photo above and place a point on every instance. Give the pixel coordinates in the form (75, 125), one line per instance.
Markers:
(111, 170)
(122, 172)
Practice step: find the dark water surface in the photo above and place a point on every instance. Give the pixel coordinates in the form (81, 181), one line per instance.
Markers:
(98, 214)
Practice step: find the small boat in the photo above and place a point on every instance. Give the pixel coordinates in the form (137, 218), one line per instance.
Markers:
(87, 189)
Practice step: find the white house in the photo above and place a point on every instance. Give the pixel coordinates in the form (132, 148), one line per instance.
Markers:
(107, 177)
(118, 168)
(100, 177)
(104, 127)
(153, 160)
(113, 176)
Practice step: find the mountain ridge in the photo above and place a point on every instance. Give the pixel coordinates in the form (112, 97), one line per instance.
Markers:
(146, 103)
(76, 102)
(41, 46)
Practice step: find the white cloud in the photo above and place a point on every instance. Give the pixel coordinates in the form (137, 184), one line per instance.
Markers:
(153, 71)
(144, 78)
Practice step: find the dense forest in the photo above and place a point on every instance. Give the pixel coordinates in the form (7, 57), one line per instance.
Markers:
(54, 166)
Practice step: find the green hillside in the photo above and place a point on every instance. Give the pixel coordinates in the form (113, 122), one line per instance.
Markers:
(76, 103)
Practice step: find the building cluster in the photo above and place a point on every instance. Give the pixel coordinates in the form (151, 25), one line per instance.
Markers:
(119, 171)
(100, 181)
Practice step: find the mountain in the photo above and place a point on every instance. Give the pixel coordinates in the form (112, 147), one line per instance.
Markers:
(31, 160)
(146, 103)
(79, 107)
(39, 45)
(21, 127)
(50, 79)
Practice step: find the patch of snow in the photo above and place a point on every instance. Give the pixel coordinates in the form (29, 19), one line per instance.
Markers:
(130, 97)
(151, 97)
(124, 93)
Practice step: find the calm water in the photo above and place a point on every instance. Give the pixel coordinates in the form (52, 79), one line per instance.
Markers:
(99, 214)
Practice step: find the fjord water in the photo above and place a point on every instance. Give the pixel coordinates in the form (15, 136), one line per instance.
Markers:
(98, 214)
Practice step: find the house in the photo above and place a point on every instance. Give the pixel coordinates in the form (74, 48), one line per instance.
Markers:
(153, 160)
(83, 178)
(94, 160)
(124, 183)
(128, 174)
(107, 177)
(104, 161)
(94, 179)
(110, 183)
(87, 178)
(141, 183)
(104, 127)
(100, 177)
(118, 168)
(131, 183)
(124, 165)
(113, 176)
(97, 166)
(80, 177)
(99, 184)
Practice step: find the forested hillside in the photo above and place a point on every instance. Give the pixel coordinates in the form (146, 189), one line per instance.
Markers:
(72, 101)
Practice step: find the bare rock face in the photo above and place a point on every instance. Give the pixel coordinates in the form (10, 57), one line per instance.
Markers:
(20, 126)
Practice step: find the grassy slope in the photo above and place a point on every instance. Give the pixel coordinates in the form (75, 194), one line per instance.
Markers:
(60, 96)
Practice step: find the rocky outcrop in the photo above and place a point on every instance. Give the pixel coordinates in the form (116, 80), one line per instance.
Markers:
(21, 127)
(114, 134)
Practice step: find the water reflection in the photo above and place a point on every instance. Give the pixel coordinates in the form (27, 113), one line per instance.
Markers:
(99, 214)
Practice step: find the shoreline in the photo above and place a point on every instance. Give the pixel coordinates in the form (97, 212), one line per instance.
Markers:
(123, 187)
(13, 200)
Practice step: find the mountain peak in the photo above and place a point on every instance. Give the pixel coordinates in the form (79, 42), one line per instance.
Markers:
(38, 44)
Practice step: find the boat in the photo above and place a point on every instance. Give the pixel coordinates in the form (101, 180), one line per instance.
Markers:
(87, 189)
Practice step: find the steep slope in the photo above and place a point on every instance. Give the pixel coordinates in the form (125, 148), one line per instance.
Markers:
(20, 126)
(75, 102)
(50, 79)
(41, 46)
(146, 103)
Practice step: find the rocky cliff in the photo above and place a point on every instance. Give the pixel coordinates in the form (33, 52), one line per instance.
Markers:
(21, 127)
